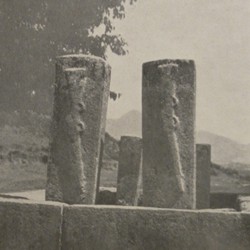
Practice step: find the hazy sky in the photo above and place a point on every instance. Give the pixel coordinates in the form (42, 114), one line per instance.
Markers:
(216, 34)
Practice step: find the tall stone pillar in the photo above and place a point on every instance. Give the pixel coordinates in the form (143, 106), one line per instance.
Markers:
(129, 171)
(78, 127)
(168, 118)
(203, 167)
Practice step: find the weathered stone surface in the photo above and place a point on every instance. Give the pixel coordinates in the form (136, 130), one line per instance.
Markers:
(107, 227)
(28, 225)
(168, 115)
(129, 170)
(223, 200)
(203, 165)
(106, 197)
(244, 203)
(80, 106)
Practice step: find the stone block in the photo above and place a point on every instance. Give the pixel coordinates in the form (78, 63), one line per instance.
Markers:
(78, 129)
(129, 171)
(122, 228)
(168, 124)
(28, 225)
(203, 172)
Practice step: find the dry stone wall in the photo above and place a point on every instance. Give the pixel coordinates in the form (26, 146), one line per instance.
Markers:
(50, 225)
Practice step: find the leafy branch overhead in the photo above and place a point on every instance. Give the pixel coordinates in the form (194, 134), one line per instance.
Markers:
(113, 95)
(33, 33)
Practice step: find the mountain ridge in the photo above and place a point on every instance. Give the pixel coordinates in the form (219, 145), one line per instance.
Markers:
(224, 150)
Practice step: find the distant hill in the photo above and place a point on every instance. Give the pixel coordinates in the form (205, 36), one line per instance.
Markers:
(24, 150)
(229, 179)
(224, 150)
(128, 124)
(111, 148)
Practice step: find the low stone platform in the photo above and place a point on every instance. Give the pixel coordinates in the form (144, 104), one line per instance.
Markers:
(30, 225)
(50, 225)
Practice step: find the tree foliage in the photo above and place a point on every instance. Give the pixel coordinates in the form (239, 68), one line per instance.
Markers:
(34, 32)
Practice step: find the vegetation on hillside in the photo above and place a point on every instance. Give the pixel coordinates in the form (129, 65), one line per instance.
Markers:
(24, 146)
(230, 180)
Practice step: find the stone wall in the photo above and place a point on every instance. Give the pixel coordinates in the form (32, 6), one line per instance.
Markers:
(50, 225)
(28, 225)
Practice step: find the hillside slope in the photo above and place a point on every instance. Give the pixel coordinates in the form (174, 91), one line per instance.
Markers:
(128, 124)
(224, 150)
(24, 155)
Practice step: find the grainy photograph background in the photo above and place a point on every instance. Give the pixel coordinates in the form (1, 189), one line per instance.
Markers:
(215, 34)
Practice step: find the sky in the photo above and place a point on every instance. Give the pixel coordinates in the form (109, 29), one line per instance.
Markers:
(216, 34)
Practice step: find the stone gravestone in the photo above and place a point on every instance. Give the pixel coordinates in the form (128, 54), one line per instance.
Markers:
(78, 128)
(168, 118)
(129, 171)
(203, 167)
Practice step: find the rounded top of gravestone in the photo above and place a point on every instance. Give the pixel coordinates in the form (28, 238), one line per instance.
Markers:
(170, 67)
(80, 57)
(168, 62)
(203, 145)
(80, 61)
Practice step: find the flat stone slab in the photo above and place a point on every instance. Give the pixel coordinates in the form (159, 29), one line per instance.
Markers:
(51, 225)
(29, 225)
(114, 227)
(37, 195)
